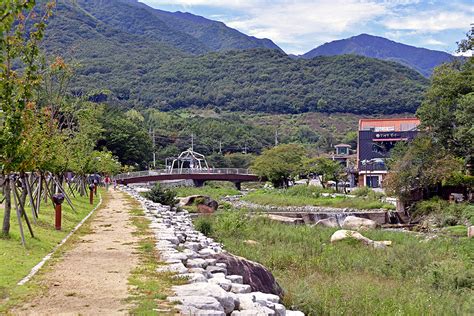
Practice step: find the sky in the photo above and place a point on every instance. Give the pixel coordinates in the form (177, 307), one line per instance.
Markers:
(298, 26)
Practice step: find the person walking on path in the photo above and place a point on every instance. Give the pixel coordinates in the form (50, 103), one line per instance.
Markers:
(107, 183)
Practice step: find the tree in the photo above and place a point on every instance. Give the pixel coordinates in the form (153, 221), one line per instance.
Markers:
(444, 150)
(128, 141)
(324, 168)
(418, 166)
(135, 116)
(447, 112)
(238, 160)
(19, 49)
(351, 139)
(280, 164)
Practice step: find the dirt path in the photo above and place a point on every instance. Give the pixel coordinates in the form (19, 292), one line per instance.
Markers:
(91, 279)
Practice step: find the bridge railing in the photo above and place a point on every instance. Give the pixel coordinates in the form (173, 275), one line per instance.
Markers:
(139, 174)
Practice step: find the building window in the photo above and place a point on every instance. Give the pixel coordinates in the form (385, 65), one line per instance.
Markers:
(372, 181)
(342, 151)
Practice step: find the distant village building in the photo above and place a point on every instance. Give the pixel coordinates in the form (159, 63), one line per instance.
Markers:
(375, 140)
(346, 157)
(342, 150)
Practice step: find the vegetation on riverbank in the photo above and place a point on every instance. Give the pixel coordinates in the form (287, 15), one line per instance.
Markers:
(415, 276)
(443, 213)
(20, 260)
(215, 191)
(149, 287)
(311, 195)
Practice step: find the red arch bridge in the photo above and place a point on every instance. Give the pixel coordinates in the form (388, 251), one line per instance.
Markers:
(199, 176)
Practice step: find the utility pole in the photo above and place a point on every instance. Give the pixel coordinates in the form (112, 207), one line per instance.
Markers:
(154, 150)
(276, 137)
(245, 148)
(192, 141)
(220, 147)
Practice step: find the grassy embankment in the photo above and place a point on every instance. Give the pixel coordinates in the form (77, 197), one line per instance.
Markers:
(413, 277)
(16, 261)
(149, 287)
(311, 195)
(213, 190)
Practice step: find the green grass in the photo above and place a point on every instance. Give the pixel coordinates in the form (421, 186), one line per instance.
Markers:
(285, 197)
(445, 213)
(413, 277)
(16, 261)
(149, 287)
(458, 230)
(212, 190)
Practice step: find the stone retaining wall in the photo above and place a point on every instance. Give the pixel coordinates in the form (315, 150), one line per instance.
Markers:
(190, 254)
(312, 214)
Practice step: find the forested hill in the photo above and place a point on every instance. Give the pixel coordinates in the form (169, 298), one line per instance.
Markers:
(144, 66)
(269, 81)
(183, 31)
(420, 59)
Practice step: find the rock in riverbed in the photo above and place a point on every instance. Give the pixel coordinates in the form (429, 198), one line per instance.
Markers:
(358, 223)
(253, 273)
(350, 234)
(327, 222)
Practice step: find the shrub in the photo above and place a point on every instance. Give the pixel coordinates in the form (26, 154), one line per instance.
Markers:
(362, 191)
(445, 213)
(160, 195)
(367, 192)
(203, 224)
(199, 200)
(233, 222)
(435, 205)
(305, 190)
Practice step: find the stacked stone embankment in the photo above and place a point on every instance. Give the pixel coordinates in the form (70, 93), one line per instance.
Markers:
(218, 282)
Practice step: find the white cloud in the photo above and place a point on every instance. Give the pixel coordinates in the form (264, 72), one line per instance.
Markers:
(432, 41)
(288, 21)
(430, 21)
(300, 25)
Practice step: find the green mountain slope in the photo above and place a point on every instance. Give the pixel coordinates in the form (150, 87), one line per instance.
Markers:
(186, 32)
(151, 65)
(268, 81)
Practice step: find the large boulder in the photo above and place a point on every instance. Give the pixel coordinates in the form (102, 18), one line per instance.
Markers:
(358, 223)
(199, 200)
(253, 273)
(470, 231)
(206, 289)
(327, 222)
(350, 234)
(198, 302)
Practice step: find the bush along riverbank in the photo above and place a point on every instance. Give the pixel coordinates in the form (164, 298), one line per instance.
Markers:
(415, 276)
(304, 196)
(219, 283)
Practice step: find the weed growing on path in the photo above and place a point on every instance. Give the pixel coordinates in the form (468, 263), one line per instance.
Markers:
(149, 288)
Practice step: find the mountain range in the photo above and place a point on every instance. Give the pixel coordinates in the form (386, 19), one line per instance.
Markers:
(421, 59)
(153, 58)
